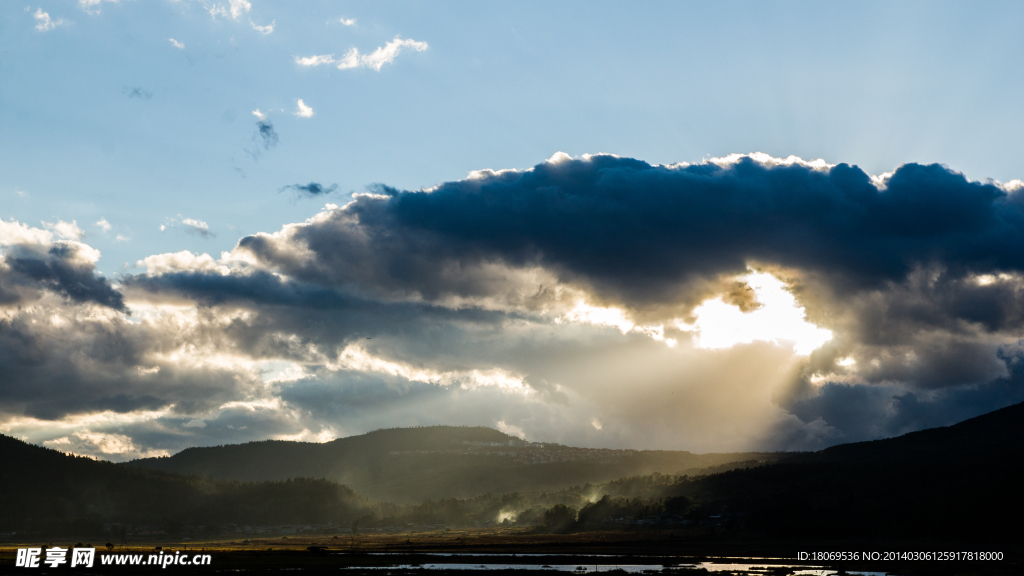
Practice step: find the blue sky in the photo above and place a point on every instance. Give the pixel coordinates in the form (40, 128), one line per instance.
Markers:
(500, 86)
(177, 288)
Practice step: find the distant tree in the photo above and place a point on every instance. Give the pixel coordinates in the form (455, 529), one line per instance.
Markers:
(677, 504)
(531, 515)
(560, 518)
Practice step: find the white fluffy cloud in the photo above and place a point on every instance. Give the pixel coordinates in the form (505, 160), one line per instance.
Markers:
(202, 228)
(43, 21)
(93, 6)
(176, 44)
(302, 110)
(66, 230)
(180, 261)
(375, 60)
(191, 225)
(315, 60)
(15, 233)
(239, 7)
(263, 29)
(381, 56)
(234, 8)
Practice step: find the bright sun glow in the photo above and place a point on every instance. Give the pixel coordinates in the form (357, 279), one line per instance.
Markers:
(779, 320)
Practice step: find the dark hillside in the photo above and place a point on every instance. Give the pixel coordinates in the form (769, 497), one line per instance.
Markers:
(52, 492)
(958, 482)
(956, 485)
(411, 464)
(280, 459)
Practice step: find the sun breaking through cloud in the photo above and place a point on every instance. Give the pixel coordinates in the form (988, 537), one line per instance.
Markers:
(585, 299)
(778, 319)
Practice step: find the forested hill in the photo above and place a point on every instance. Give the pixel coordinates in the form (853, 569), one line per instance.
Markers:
(956, 482)
(48, 491)
(282, 459)
(411, 464)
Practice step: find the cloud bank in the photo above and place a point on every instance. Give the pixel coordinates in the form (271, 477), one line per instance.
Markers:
(575, 301)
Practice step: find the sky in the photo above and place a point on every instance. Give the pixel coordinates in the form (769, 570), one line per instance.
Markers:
(705, 226)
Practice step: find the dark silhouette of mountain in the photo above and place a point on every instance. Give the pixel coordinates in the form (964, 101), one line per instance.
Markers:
(955, 484)
(48, 491)
(281, 459)
(959, 482)
(411, 464)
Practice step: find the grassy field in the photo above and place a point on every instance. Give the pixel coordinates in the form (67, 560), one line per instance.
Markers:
(479, 540)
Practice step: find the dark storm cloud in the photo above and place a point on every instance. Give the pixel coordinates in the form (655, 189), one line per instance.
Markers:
(61, 271)
(263, 289)
(861, 412)
(934, 329)
(311, 189)
(80, 366)
(641, 230)
(640, 233)
(321, 318)
(891, 271)
(469, 275)
(259, 287)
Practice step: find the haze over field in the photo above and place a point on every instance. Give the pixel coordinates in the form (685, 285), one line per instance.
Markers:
(336, 219)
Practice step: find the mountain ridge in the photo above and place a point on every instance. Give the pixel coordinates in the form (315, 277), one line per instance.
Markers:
(410, 464)
(954, 480)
